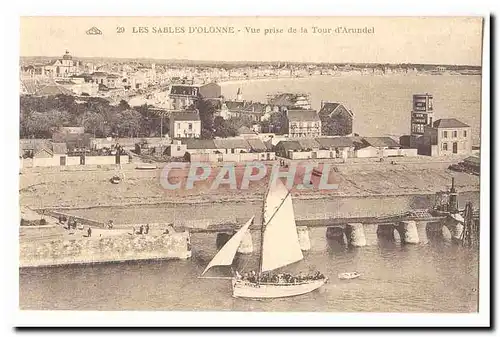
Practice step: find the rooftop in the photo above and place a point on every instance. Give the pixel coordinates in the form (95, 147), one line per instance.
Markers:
(235, 105)
(333, 142)
(183, 89)
(257, 144)
(328, 107)
(286, 99)
(381, 142)
(302, 116)
(185, 116)
(308, 143)
(446, 123)
(231, 143)
(198, 144)
(288, 145)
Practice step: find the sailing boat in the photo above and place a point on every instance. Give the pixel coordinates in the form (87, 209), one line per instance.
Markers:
(279, 247)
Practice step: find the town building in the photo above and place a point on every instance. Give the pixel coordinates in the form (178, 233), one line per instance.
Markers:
(78, 86)
(62, 67)
(341, 148)
(373, 147)
(106, 80)
(183, 96)
(224, 150)
(185, 124)
(230, 109)
(303, 123)
(288, 101)
(336, 119)
(54, 154)
(447, 136)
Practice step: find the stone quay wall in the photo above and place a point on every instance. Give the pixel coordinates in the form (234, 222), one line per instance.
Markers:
(105, 249)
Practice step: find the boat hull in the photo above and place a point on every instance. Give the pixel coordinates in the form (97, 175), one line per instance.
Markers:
(246, 289)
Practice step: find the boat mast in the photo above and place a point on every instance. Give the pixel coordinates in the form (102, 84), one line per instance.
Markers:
(262, 233)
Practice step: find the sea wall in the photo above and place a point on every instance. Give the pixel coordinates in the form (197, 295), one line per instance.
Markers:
(105, 249)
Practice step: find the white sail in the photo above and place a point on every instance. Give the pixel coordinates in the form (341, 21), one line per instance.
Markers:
(225, 256)
(280, 243)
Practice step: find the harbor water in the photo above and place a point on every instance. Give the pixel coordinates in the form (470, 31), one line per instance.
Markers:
(434, 277)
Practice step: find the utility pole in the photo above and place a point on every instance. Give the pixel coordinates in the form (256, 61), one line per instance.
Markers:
(161, 126)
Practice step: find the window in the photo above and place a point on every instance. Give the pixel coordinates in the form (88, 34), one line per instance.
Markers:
(178, 125)
(190, 126)
(445, 134)
(445, 146)
(455, 134)
(465, 133)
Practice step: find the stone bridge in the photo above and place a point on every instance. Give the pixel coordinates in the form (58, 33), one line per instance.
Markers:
(415, 227)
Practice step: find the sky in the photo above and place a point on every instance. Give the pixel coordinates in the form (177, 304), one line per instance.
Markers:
(431, 40)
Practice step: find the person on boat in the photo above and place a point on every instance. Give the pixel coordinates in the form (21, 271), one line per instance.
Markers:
(318, 276)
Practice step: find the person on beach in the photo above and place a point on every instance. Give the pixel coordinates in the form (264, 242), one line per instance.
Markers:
(89, 232)
(146, 229)
(141, 229)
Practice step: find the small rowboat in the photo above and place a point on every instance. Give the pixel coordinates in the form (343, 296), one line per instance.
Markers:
(146, 167)
(349, 276)
(115, 180)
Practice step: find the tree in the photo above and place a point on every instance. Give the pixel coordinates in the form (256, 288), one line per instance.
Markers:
(207, 115)
(151, 121)
(123, 105)
(277, 123)
(42, 124)
(93, 122)
(339, 125)
(126, 122)
(224, 128)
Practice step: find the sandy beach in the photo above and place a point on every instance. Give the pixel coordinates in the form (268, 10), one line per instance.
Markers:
(54, 188)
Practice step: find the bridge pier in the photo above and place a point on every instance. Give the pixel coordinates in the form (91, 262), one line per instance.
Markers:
(422, 231)
(446, 233)
(336, 234)
(246, 245)
(371, 234)
(386, 232)
(303, 234)
(355, 233)
(408, 232)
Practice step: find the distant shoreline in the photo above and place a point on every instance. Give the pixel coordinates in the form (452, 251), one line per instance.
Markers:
(339, 75)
